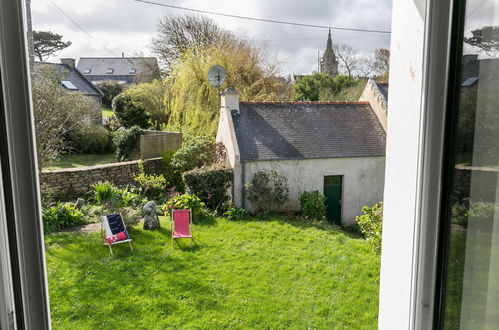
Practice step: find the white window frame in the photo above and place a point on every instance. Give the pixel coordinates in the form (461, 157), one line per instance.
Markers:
(21, 215)
(418, 90)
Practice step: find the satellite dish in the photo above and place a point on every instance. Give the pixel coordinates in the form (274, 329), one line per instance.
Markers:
(216, 75)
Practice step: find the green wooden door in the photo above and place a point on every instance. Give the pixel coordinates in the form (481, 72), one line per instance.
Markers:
(332, 191)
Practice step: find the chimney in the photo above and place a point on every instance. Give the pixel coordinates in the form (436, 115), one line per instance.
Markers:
(69, 62)
(122, 54)
(230, 99)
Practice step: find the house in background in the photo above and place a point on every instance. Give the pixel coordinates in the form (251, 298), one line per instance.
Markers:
(376, 94)
(336, 148)
(72, 80)
(127, 70)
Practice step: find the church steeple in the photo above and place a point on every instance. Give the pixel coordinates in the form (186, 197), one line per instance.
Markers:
(329, 64)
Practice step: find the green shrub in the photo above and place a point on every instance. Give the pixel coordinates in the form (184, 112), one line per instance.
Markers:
(171, 174)
(90, 139)
(235, 213)
(370, 223)
(210, 183)
(152, 185)
(195, 152)
(312, 204)
(480, 211)
(110, 89)
(126, 142)
(60, 216)
(131, 215)
(268, 190)
(184, 201)
(103, 192)
(130, 113)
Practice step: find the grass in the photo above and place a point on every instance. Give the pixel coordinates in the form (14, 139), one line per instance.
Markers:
(259, 274)
(80, 160)
(107, 112)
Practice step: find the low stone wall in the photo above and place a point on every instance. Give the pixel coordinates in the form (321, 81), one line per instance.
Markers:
(77, 181)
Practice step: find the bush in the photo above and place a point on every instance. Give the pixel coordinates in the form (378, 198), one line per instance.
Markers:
(268, 190)
(312, 204)
(152, 185)
(370, 223)
(110, 89)
(129, 113)
(103, 192)
(131, 216)
(60, 216)
(90, 139)
(184, 201)
(195, 152)
(210, 183)
(235, 213)
(480, 211)
(171, 174)
(126, 142)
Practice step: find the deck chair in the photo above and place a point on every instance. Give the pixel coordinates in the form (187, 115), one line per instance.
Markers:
(112, 225)
(181, 224)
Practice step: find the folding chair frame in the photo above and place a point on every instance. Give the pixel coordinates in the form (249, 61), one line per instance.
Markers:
(128, 240)
(173, 224)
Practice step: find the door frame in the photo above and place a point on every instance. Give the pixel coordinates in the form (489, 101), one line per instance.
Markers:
(342, 176)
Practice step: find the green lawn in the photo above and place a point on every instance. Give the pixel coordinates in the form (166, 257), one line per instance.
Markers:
(107, 112)
(80, 160)
(258, 274)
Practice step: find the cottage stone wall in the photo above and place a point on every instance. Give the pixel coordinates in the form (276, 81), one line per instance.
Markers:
(74, 181)
(378, 103)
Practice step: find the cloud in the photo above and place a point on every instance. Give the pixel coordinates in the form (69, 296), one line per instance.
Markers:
(128, 26)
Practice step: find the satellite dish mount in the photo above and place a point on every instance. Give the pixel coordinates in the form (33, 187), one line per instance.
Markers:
(216, 77)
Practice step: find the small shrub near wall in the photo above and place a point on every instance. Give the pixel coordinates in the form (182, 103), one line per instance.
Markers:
(211, 184)
(312, 204)
(126, 142)
(60, 216)
(268, 190)
(171, 174)
(370, 223)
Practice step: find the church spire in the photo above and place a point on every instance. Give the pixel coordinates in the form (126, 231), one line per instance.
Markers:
(329, 41)
(329, 64)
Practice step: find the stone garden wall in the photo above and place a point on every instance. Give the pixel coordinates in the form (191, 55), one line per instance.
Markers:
(76, 181)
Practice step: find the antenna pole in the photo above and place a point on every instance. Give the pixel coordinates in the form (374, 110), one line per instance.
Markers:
(219, 95)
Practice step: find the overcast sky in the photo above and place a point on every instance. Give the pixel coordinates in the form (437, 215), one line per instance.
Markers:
(128, 26)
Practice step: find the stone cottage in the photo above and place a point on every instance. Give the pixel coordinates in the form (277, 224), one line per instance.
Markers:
(336, 148)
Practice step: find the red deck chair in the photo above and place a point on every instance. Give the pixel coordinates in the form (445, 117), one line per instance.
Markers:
(181, 224)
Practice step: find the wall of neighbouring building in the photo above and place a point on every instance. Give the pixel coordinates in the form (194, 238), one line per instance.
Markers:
(72, 181)
(378, 103)
(363, 181)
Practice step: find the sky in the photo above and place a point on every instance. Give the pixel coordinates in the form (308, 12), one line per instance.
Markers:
(127, 26)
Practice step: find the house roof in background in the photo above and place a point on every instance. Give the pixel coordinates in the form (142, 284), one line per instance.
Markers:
(383, 88)
(75, 77)
(122, 66)
(305, 130)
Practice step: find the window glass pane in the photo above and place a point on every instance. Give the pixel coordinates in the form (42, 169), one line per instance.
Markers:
(472, 277)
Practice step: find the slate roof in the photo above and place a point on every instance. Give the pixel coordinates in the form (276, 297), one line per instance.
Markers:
(383, 88)
(303, 130)
(121, 65)
(84, 85)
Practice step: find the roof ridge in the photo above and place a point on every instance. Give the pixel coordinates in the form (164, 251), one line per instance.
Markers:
(304, 102)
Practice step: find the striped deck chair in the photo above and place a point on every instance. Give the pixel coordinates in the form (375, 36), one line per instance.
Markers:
(114, 228)
(181, 224)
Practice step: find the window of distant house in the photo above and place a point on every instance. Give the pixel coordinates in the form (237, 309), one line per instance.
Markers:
(109, 71)
(87, 71)
(132, 71)
(69, 85)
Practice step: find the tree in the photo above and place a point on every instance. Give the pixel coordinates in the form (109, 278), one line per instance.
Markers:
(179, 34)
(320, 87)
(46, 43)
(485, 38)
(130, 113)
(56, 113)
(381, 61)
(348, 58)
(110, 88)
